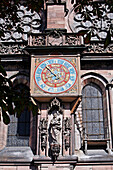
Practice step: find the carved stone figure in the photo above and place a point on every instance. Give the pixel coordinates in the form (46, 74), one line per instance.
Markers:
(55, 128)
(55, 150)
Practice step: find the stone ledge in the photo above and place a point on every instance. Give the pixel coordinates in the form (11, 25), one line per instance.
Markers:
(61, 160)
(94, 156)
(16, 154)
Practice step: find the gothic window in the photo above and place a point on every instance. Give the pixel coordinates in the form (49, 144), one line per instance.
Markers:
(93, 113)
(19, 128)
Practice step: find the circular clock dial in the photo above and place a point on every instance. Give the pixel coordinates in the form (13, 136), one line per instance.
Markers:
(55, 75)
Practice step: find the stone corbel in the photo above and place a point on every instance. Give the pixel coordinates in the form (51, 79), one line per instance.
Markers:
(55, 150)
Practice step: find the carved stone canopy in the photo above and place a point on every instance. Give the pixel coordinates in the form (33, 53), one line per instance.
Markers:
(56, 105)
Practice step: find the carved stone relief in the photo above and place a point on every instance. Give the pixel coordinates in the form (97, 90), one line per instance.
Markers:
(56, 132)
(67, 132)
(43, 133)
(28, 22)
(54, 38)
(99, 48)
(100, 25)
(12, 49)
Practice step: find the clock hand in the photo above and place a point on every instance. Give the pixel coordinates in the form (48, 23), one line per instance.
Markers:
(57, 76)
(51, 71)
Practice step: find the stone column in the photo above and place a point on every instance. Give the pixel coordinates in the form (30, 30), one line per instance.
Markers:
(73, 135)
(110, 88)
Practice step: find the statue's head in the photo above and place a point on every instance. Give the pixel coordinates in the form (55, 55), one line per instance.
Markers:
(55, 115)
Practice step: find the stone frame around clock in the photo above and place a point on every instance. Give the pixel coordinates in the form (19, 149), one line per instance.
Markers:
(68, 95)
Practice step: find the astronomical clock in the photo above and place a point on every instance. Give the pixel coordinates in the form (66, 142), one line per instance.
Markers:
(54, 76)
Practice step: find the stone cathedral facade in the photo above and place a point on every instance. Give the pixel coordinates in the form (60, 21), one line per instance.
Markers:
(72, 84)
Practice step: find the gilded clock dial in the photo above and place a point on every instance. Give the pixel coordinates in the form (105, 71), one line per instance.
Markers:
(55, 75)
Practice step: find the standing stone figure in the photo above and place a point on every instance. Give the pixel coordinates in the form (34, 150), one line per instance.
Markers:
(55, 128)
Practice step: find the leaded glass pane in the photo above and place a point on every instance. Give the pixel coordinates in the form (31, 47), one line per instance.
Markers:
(89, 115)
(95, 115)
(95, 128)
(101, 128)
(83, 103)
(87, 92)
(89, 128)
(88, 103)
(85, 115)
(94, 103)
(93, 91)
(100, 103)
(101, 115)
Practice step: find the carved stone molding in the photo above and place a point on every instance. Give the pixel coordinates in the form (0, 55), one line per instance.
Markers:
(67, 132)
(97, 47)
(54, 38)
(43, 133)
(55, 104)
(11, 48)
(55, 150)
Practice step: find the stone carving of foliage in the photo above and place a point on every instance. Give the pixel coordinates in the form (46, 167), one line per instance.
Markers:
(99, 48)
(29, 22)
(11, 49)
(99, 26)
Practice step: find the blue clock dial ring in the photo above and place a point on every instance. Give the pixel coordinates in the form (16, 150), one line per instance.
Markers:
(55, 75)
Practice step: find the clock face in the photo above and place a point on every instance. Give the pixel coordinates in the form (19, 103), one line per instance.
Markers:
(55, 75)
